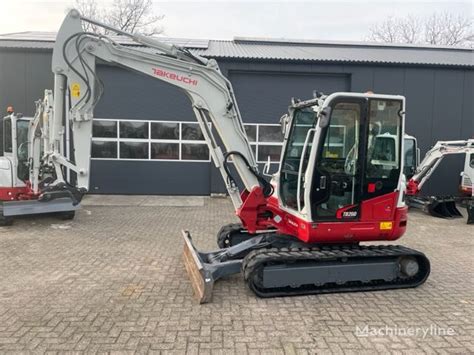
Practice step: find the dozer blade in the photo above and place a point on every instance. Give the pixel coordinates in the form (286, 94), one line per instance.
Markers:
(201, 278)
(206, 268)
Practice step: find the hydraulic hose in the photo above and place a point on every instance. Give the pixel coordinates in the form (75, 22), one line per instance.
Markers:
(267, 188)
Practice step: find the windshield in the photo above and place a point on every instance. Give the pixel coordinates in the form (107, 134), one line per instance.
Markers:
(384, 140)
(303, 120)
(22, 148)
(22, 132)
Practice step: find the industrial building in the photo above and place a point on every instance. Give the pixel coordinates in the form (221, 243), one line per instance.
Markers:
(146, 139)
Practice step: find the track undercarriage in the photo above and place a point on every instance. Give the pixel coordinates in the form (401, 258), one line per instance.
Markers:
(275, 265)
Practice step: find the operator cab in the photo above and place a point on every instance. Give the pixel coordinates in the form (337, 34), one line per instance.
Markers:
(15, 148)
(340, 151)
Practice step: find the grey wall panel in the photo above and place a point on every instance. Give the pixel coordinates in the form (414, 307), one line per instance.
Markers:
(419, 91)
(448, 105)
(130, 95)
(12, 81)
(446, 125)
(148, 178)
(389, 80)
(264, 97)
(467, 123)
(362, 78)
(445, 180)
(23, 77)
(38, 77)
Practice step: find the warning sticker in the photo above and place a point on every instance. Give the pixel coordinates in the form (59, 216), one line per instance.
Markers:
(386, 225)
(75, 90)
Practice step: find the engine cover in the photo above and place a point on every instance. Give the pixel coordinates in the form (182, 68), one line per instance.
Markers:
(6, 172)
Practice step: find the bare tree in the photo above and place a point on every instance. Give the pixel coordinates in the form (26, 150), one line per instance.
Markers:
(444, 29)
(448, 29)
(397, 30)
(126, 15)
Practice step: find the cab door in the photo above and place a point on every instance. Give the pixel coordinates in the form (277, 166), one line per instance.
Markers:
(336, 184)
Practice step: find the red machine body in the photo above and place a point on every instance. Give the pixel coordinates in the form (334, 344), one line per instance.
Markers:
(17, 193)
(380, 220)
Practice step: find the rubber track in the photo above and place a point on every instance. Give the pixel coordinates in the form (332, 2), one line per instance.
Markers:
(256, 260)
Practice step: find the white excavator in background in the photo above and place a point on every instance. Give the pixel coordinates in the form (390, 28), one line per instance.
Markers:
(418, 173)
(29, 146)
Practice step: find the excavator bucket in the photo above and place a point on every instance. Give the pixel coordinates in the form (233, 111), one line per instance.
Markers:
(443, 208)
(201, 279)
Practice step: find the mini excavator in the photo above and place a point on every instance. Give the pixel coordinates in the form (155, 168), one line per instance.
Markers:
(440, 206)
(338, 184)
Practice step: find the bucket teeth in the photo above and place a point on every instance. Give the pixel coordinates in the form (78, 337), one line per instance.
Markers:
(201, 279)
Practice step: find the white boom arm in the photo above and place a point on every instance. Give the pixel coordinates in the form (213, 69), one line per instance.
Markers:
(210, 93)
(436, 154)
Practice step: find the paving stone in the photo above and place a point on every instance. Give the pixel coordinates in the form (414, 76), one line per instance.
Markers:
(112, 281)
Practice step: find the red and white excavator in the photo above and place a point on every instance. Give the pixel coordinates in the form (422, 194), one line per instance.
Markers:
(29, 183)
(338, 184)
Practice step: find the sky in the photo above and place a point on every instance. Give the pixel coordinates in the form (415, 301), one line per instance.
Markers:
(219, 19)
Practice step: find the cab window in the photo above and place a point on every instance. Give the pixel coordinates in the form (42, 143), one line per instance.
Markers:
(7, 131)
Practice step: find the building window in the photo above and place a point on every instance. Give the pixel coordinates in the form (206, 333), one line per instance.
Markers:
(272, 151)
(266, 141)
(167, 151)
(104, 129)
(148, 140)
(251, 131)
(104, 149)
(194, 151)
(133, 150)
(164, 130)
(131, 129)
(173, 140)
(191, 132)
(270, 134)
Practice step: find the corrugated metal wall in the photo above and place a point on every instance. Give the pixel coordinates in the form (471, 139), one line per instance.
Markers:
(439, 106)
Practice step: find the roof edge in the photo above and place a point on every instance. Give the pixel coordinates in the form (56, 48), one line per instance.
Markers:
(260, 40)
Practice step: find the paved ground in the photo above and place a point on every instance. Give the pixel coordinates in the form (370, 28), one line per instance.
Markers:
(112, 280)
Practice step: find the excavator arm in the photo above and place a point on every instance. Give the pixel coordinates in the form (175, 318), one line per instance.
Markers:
(211, 95)
(433, 158)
